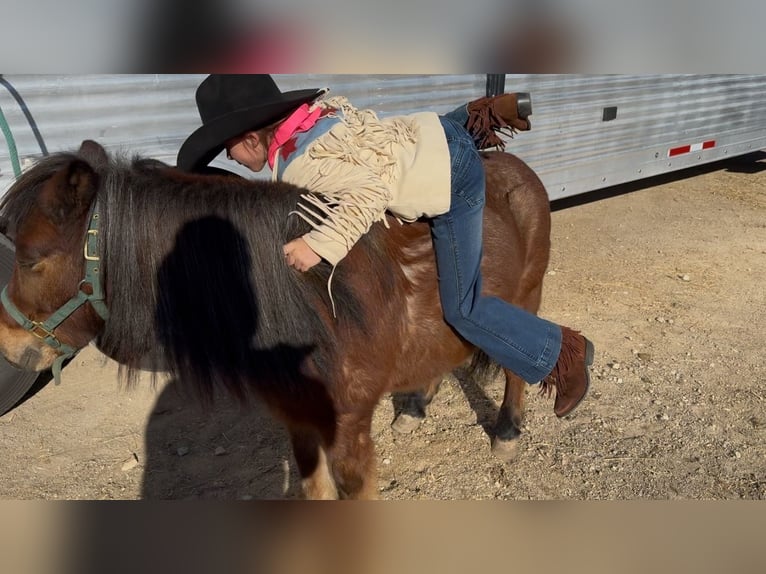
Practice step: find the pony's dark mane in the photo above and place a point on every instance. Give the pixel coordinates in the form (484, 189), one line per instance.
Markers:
(196, 263)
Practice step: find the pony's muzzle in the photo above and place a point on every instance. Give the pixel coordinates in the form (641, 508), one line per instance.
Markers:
(27, 362)
(30, 359)
(24, 351)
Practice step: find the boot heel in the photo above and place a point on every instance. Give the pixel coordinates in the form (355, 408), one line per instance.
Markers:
(523, 105)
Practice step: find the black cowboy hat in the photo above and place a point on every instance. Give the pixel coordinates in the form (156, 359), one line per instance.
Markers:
(231, 104)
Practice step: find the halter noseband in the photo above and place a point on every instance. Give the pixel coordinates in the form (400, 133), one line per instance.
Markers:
(43, 330)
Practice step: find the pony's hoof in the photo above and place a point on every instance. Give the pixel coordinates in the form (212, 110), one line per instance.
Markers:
(506, 450)
(406, 423)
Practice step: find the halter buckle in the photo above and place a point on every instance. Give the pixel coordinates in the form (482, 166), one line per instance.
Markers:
(86, 253)
(40, 331)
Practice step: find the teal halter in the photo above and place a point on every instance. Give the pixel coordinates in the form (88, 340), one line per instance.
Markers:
(43, 330)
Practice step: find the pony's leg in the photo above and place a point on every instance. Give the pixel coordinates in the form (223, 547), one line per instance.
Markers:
(316, 479)
(410, 408)
(505, 442)
(352, 456)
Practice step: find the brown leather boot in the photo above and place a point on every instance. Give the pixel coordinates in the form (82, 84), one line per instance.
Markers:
(570, 376)
(506, 113)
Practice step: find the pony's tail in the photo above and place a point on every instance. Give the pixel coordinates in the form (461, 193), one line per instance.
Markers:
(482, 368)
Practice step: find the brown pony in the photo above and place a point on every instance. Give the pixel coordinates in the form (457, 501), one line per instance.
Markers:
(194, 282)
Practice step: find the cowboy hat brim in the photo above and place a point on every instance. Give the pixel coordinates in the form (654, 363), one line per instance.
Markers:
(207, 141)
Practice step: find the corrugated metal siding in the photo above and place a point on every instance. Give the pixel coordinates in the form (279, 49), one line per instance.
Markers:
(391, 94)
(574, 151)
(570, 147)
(153, 114)
(150, 114)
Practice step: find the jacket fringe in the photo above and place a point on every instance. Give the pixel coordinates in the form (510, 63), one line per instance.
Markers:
(352, 172)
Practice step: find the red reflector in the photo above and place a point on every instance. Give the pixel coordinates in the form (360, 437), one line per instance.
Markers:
(679, 150)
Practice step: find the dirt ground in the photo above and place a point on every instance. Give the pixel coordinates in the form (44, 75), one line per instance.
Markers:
(666, 277)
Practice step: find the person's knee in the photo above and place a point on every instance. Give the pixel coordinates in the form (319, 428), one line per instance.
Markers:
(455, 318)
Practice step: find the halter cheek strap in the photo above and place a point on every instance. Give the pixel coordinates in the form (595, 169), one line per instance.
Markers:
(43, 330)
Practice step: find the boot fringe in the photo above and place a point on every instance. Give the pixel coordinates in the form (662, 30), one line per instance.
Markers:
(572, 346)
(484, 124)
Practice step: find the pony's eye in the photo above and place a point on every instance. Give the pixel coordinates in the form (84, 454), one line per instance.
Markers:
(27, 263)
(27, 256)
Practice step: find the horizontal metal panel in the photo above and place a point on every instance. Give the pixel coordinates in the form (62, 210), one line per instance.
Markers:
(395, 94)
(569, 146)
(144, 113)
(574, 150)
(153, 114)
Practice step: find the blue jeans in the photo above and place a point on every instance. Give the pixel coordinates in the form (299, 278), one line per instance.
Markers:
(516, 339)
(460, 116)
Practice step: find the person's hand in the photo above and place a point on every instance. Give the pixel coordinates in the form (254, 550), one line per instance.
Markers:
(299, 255)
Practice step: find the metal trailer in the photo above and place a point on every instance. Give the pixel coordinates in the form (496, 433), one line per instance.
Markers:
(591, 132)
(588, 131)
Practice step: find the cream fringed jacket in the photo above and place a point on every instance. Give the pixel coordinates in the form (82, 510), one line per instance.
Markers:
(362, 166)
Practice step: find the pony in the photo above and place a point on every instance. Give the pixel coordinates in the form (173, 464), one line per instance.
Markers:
(184, 273)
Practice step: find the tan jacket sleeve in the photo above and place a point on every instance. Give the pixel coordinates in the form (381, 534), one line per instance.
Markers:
(346, 200)
(348, 172)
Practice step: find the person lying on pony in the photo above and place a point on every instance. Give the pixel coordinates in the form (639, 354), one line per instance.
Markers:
(357, 167)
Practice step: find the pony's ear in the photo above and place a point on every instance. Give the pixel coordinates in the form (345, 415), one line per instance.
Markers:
(69, 192)
(93, 153)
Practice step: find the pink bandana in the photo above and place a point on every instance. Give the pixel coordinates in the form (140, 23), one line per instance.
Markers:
(300, 120)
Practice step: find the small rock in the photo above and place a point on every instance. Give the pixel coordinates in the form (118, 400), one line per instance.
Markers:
(644, 356)
(660, 319)
(386, 461)
(182, 450)
(615, 366)
(130, 464)
(685, 277)
(220, 451)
